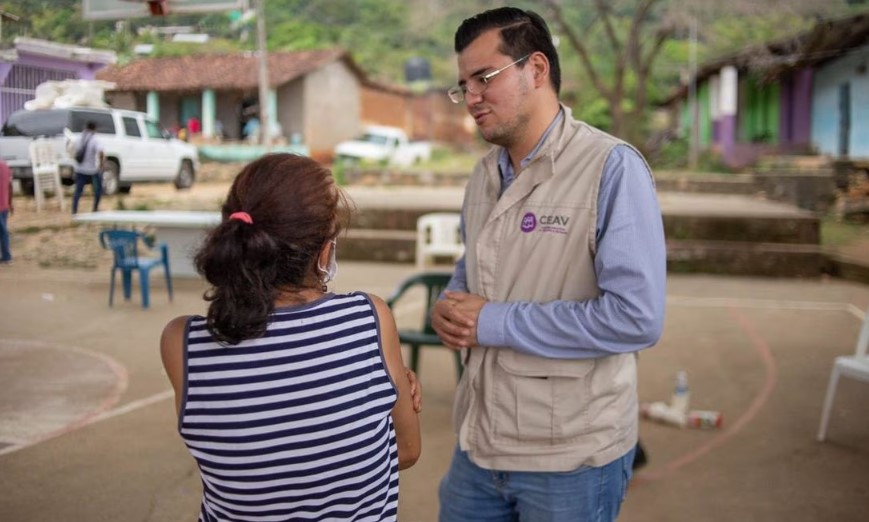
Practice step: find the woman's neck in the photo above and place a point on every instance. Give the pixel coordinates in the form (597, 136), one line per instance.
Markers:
(297, 296)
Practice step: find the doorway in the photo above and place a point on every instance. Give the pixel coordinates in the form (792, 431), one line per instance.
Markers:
(844, 119)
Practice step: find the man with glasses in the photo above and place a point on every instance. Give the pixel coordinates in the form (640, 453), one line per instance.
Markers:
(562, 282)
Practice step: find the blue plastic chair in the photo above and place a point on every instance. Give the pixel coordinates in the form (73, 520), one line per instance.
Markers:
(124, 244)
(434, 283)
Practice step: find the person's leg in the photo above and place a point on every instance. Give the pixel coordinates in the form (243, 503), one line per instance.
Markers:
(5, 253)
(593, 494)
(640, 458)
(80, 180)
(469, 492)
(97, 183)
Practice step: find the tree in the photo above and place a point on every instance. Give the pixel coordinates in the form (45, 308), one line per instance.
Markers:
(634, 42)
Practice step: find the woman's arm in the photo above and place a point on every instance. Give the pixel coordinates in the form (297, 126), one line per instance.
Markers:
(404, 418)
(172, 353)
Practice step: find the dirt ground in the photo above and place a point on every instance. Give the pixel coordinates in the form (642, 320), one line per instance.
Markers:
(758, 350)
(50, 238)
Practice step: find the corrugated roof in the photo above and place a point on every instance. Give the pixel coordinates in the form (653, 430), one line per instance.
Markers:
(220, 71)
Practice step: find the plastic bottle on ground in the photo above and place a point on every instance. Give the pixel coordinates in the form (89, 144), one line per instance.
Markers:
(681, 398)
(704, 419)
(660, 411)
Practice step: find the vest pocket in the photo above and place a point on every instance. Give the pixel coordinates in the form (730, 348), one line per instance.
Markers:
(537, 400)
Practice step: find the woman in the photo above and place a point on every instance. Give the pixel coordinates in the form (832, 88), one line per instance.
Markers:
(294, 401)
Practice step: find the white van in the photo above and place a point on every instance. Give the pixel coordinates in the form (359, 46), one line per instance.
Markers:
(137, 148)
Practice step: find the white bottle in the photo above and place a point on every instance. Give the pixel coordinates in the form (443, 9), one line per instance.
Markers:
(681, 396)
(662, 412)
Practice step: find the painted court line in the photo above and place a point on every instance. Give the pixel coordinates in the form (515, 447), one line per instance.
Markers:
(104, 413)
(764, 352)
(121, 382)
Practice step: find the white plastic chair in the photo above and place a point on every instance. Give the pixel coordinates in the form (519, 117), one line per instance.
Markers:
(46, 172)
(854, 366)
(438, 234)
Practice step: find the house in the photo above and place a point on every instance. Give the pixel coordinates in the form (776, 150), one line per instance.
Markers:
(318, 96)
(31, 62)
(804, 94)
(314, 95)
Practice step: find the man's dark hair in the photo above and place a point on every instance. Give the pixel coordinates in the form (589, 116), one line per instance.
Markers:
(522, 33)
(90, 125)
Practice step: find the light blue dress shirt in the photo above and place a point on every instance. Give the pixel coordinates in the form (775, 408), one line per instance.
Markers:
(631, 267)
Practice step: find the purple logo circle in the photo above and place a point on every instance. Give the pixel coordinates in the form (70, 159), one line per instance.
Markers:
(529, 222)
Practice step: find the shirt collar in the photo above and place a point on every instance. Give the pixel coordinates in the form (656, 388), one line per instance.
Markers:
(506, 166)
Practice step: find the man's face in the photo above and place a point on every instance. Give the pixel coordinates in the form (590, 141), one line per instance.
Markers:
(500, 112)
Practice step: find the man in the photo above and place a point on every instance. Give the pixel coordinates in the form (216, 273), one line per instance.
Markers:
(562, 281)
(89, 168)
(6, 210)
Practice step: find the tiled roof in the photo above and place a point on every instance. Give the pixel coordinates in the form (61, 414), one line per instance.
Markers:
(219, 71)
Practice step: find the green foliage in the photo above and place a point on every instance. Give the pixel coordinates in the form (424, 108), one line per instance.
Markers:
(294, 35)
(595, 112)
(671, 156)
(214, 45)
(383, 34)
(835, 232)
(729, 34)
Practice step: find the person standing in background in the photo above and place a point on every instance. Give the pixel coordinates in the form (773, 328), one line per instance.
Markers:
(562, 282)
(194, 127)
(88, 154)
(6, 210)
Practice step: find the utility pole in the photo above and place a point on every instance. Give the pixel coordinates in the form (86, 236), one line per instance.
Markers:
(263, 55)
(692, 100)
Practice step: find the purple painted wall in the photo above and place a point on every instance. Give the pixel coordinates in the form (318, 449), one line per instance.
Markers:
(795, 114)
(802, 122)
(727, 134)
(44, 68)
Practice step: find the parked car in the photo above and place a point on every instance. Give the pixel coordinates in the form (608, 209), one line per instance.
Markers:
(137, 148)
(382, 144)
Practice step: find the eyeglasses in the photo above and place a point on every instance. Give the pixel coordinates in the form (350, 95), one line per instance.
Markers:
(478, 84)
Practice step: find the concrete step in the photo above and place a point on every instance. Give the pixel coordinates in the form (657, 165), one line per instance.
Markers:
(744, 258)
(768, 228)
(719, 234)
(692, 256)
(744, 229)
(848, 268)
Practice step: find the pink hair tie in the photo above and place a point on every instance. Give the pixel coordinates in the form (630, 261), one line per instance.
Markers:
(242, 216)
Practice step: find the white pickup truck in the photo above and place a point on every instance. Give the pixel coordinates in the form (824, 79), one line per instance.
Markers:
(383, 145)
(137, 149)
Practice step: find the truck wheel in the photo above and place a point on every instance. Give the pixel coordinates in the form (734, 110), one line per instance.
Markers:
(125, 189)
(111, 174)
(184, 180)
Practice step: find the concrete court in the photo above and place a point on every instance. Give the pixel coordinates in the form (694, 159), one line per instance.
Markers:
(87, 428)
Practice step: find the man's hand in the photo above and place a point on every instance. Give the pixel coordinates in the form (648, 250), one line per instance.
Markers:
(455, 319)
(415, 390)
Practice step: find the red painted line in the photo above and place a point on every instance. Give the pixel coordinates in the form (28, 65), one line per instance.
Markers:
(121, 382)
(771, 377)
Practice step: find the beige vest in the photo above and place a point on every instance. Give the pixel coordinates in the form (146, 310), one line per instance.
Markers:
(537, 243)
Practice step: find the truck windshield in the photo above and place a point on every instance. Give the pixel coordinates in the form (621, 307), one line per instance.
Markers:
(35, 123)
(379, 139)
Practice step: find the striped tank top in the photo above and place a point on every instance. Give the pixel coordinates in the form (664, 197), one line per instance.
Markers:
(296, 424)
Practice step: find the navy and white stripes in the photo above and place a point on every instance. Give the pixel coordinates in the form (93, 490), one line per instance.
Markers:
(294, 425)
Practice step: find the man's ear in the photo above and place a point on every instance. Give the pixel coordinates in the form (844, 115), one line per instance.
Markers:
(540, 68)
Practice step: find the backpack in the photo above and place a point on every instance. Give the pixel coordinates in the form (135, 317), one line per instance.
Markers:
(80, 151)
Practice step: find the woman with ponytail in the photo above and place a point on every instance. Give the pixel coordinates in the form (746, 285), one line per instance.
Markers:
(293, 400)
